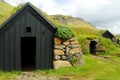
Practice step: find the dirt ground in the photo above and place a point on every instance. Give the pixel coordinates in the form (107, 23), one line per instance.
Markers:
(34, 76)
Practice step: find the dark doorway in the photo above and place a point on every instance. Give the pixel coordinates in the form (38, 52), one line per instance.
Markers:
(93, 47)
(28, 53)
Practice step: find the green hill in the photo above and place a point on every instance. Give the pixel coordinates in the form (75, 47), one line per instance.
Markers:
(78, 25)
(6, 11)
(72, 21)
(85, 32)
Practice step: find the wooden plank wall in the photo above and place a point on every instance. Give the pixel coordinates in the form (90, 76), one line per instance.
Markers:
(10, 42)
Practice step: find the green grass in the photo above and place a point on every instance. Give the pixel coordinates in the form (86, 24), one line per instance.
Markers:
(5, 11)
(94, 68)
(8, 75)
(103, 67)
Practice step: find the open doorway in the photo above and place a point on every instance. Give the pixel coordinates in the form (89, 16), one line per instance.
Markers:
(92, 47)
(28, 53)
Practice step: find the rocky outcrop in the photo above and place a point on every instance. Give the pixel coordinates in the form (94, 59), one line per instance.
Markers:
(2, 1)
(67, 53)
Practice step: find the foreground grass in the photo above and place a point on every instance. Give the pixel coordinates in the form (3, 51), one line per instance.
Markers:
(105, 67)
(95, 68)
(8, 75)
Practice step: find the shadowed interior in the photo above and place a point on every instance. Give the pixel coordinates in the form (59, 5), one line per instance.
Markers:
(93, 47)
(28, 53)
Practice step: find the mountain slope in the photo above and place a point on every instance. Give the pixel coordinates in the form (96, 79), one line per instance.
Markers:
(78, 25)
(71, 21)
(1, 0)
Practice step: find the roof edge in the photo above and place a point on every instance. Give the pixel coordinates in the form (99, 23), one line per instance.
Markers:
(43, 17)
(19, 10)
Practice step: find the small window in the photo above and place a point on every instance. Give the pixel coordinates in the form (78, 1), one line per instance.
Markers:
(28, 29)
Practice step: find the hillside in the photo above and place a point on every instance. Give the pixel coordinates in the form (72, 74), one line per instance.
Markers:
(71, 21)
(6, 11)
(78, 25)
(1, 0)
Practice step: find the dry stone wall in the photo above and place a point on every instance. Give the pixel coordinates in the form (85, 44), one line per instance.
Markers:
(67, 53)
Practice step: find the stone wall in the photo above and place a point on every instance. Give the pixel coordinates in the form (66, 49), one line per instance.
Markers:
(67, 53)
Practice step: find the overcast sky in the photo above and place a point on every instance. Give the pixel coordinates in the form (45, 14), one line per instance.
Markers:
(104, 14)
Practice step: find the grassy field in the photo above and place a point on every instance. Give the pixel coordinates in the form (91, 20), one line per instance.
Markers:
(95, 68)
(8, 75)
(105, 67)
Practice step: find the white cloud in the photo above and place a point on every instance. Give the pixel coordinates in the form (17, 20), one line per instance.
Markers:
(92, 8)
(14, 2)
(101, 13)
(113, 27)
(48, 6)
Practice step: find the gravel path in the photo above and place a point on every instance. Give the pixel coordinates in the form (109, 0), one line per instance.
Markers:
(33, 76)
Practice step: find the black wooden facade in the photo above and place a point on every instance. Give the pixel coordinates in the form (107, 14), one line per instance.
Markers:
(26, 40)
